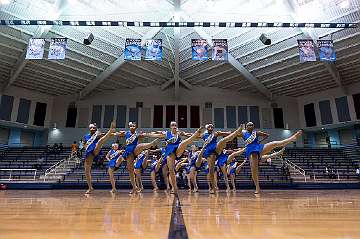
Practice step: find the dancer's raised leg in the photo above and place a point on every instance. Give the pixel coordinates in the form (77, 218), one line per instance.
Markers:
(222, 143)
(282, 143)
(104, 138)
(144, 146)
(183, 145)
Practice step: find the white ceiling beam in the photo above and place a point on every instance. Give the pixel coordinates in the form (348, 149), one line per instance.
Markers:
(328, 65)
(148, 70)
(172, 81)
(134, 73)
(117, 63)
(223, 80)
(205, 70)
(236, 64)
(213, 76)
(41, 32)
(177, 6)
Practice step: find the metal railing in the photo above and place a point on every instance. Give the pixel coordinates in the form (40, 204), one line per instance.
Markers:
(297, 168)
(13, 169)
(61, 166)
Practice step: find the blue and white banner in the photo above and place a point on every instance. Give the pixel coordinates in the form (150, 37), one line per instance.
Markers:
(153, 50)
(35, 48)
(220, 50)
(132, 49)
(199, 49)
(326, 50)
(306, 50)
(57, 48)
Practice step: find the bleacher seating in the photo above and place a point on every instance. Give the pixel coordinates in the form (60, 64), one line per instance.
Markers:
(312, 160)
(315, 160)
(26, 158)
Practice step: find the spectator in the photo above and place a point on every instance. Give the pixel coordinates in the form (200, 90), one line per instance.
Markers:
(326, 169)
(81, 146)
(47, 149)
(55, 148)
(358, 172)
(328, 142)
(39, 162)
(74, 148)
(285, 172)
(61, 148)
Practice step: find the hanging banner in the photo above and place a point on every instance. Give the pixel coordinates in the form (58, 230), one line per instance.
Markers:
(306, 50)
(132, 49)
(220, 50)
(153, 50)
(57, 48)
(35, 49)
(199, 49)
(326, 50)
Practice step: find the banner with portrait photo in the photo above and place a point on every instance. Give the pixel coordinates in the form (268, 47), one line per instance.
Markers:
(326, 50)
(35, 49)
(306, 50)
(220, 50)
(57, 48)
(132, 49)
(153, 50)
(199, 49)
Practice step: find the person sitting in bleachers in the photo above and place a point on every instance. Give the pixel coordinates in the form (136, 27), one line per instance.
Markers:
(61, 148)
(358, 172)
(39, 163)
(81, 146)
(55, 148)
(47, 149)
(74, 148)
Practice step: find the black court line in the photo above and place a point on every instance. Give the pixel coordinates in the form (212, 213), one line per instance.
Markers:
(177, 229)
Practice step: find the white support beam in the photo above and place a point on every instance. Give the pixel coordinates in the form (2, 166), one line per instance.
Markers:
(172, 52)
(41, 32)
(223, 80)
(134, 73)
(156, 74)
(213, 76)
(198, 72)
(331, 68)
(235, 63)
(118, 62)
(172, 81)
(177, 5)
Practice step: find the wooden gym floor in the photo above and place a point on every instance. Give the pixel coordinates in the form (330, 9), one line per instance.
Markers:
(274, 214)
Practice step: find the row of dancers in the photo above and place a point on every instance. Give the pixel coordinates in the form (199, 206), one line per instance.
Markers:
(212, 153)
(193, 162)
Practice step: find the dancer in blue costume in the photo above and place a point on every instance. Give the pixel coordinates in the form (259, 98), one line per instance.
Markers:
(141, 164)
(132, 149)
(191, 169)
(189, 164)
(212, 148)
(113, 156)
(255, 150)
(175, 147)
(156, 164)
(93, 143)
